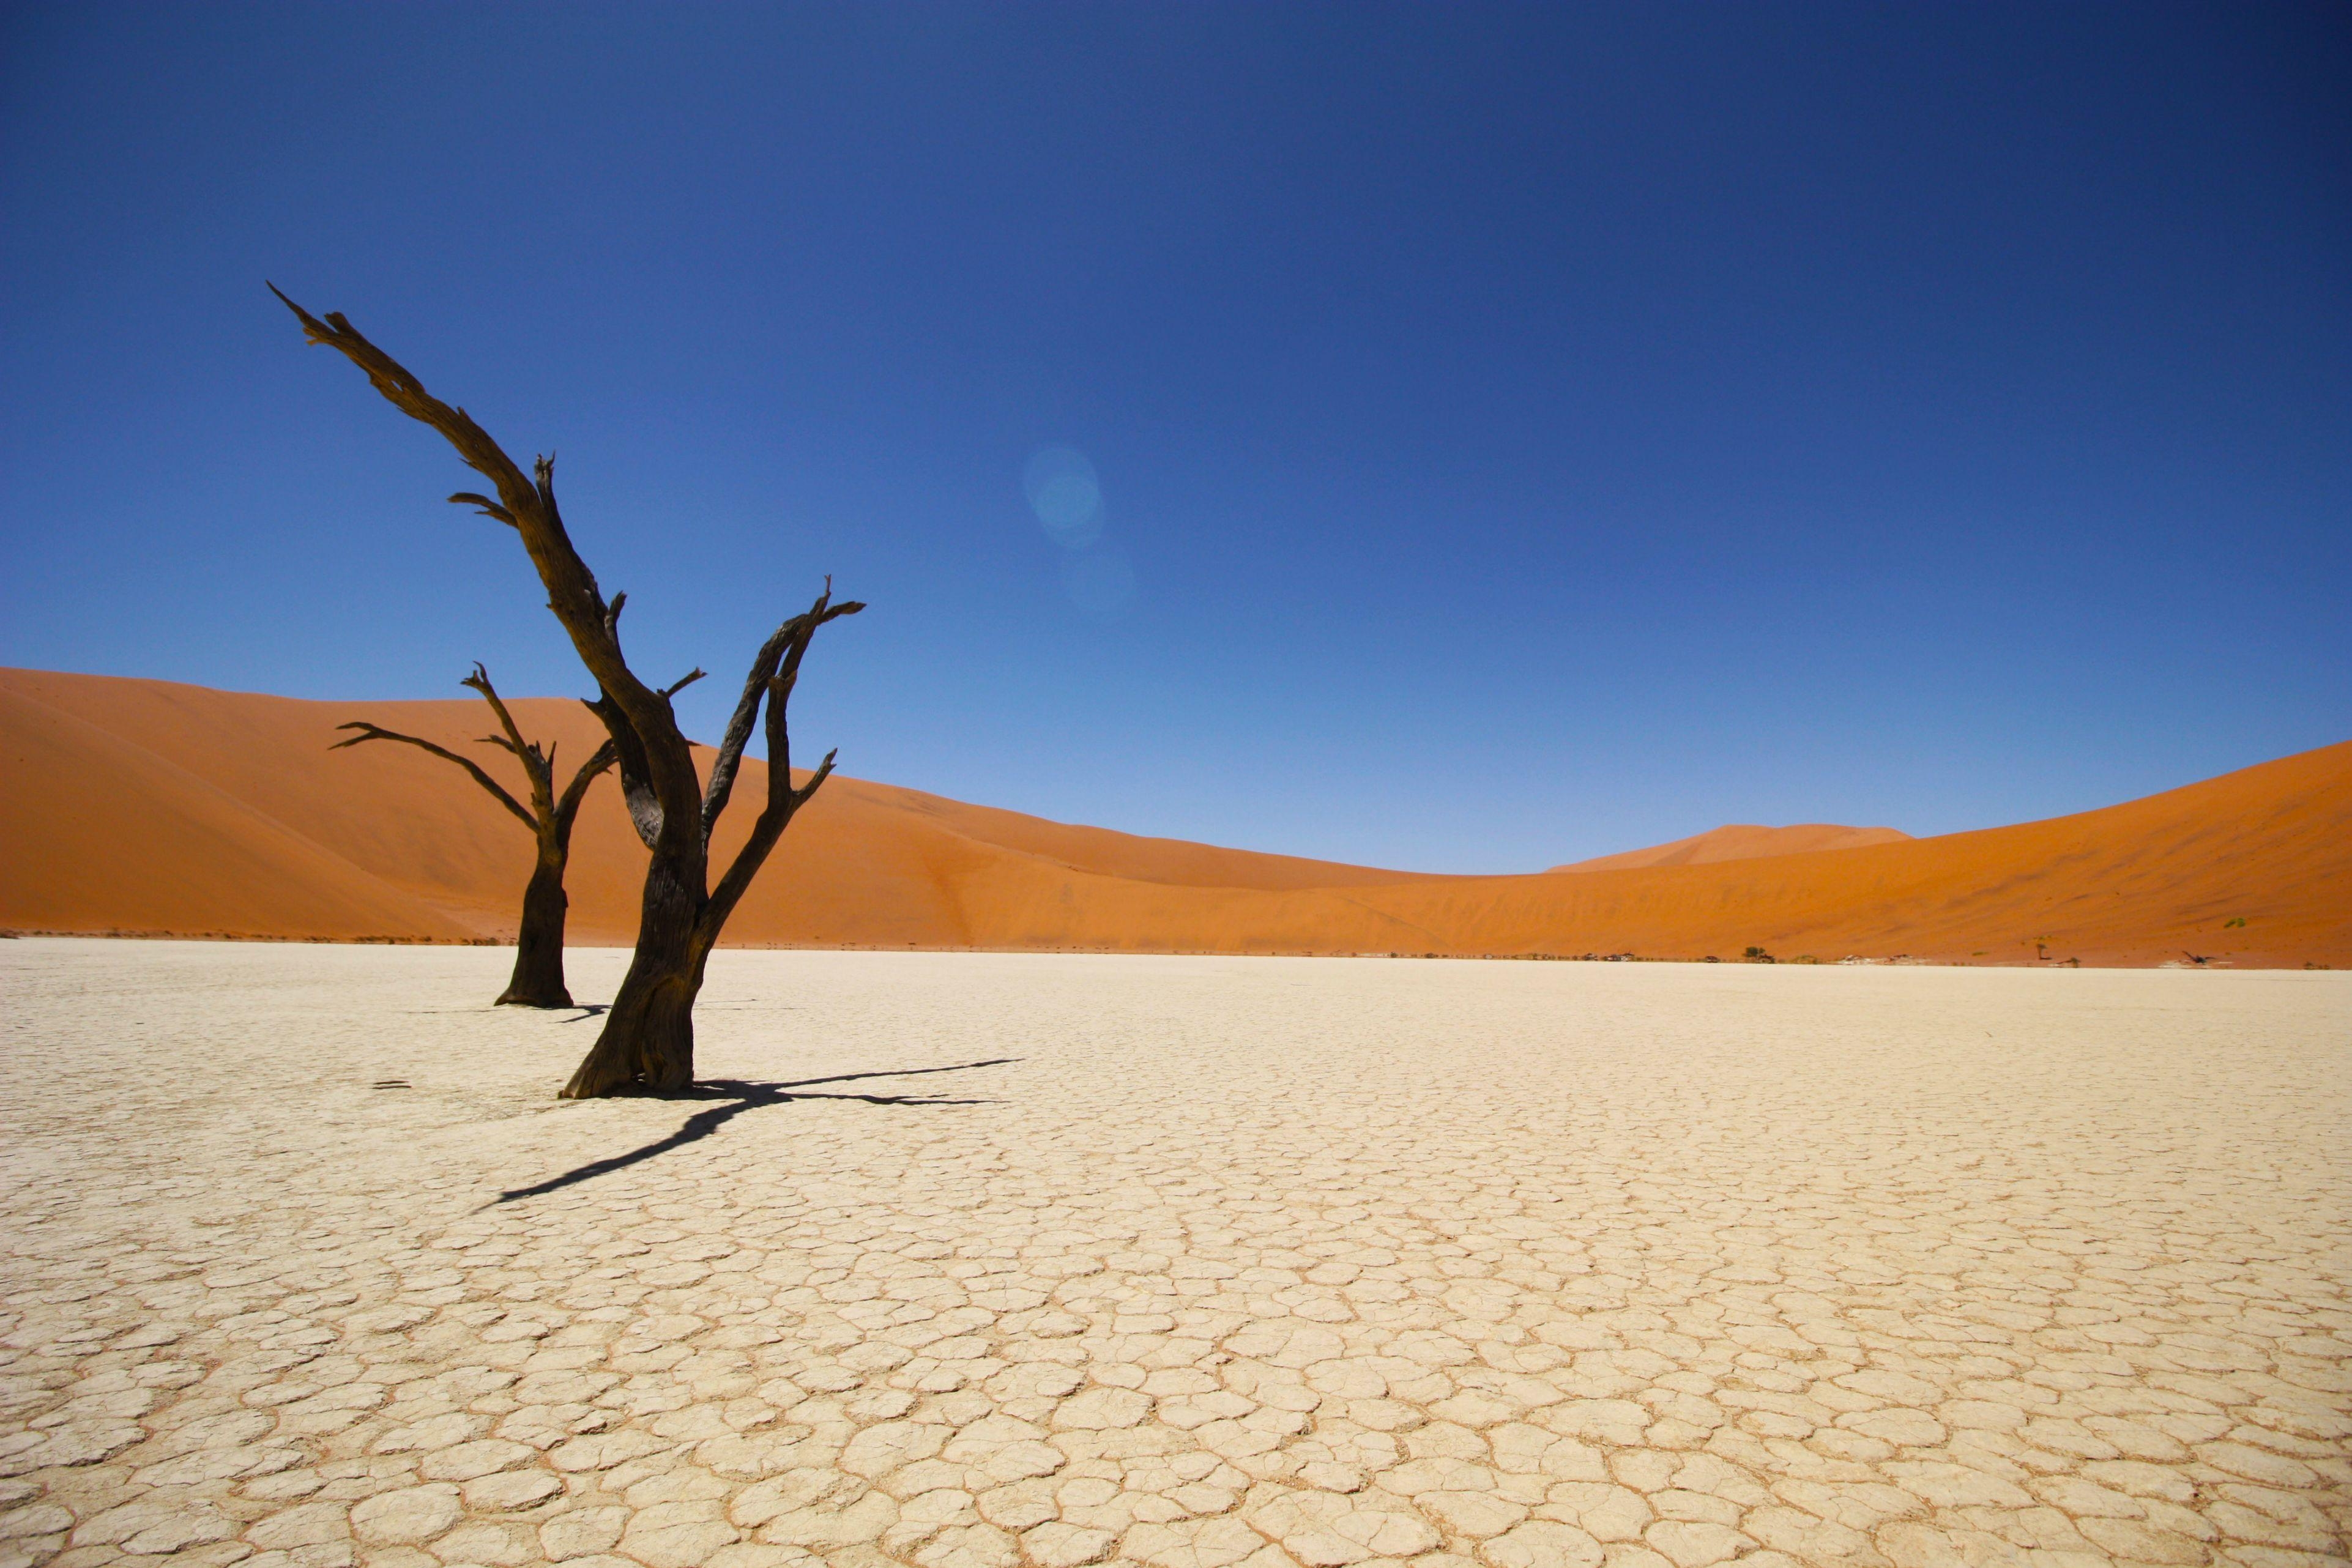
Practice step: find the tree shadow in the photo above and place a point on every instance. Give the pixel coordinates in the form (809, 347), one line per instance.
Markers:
(588, 1010)
(742, 1095)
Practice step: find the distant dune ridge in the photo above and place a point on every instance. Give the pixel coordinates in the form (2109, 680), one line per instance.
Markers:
(1743, 841)
(157, 809)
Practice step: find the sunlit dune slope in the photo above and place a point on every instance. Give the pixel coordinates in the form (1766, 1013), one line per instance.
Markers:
(98, 832)
(1740, 842)
(151, 807)
(294, 839)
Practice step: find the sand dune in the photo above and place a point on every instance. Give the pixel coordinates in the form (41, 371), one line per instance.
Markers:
(151, 807)
(1741, 841)
(102, 832)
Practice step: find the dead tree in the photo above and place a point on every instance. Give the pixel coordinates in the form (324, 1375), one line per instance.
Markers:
(647, 1043)
(538, 980)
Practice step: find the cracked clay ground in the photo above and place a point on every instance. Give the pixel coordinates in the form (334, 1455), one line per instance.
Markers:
(979, 1260)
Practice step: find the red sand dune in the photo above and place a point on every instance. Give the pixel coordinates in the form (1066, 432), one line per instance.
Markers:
(1741, 841)
(146, 806)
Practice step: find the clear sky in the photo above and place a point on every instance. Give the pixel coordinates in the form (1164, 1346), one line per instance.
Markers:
(1449, 436)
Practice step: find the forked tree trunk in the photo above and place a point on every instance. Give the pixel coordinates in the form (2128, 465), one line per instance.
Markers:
(648, 1037)
(538, 980)
(647, 1041)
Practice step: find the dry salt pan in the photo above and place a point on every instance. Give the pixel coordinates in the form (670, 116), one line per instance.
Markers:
(992, 1260)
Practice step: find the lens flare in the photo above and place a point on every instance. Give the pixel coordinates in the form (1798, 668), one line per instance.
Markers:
(1067, 494)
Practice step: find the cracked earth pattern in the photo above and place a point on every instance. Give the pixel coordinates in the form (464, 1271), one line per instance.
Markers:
(983, 1260)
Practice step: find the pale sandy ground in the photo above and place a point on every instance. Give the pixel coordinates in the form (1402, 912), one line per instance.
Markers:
(1232, 1260)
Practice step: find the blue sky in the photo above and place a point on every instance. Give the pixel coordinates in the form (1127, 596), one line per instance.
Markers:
(1514, 434)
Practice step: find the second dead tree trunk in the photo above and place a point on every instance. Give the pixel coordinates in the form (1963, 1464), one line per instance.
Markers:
(648, 1042)
(538, 980)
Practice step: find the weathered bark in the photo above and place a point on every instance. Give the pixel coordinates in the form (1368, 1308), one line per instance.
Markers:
(647, 1041)
(648, 1037)
(538, 979)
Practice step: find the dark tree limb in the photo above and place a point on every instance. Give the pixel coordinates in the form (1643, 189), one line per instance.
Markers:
(647, 1041)
(538, 764)
(497, 791)
(568, 807)
(637, 795)
(739, 728)
(791, 642)
(637, 792)
(482, 504)
(782, 651)
(527, 505)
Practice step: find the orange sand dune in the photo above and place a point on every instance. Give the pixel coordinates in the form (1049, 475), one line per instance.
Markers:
(142, 806)
(403, 844)
(1740, 842)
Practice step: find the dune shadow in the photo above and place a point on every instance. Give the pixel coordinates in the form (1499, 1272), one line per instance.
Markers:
(738, 1096)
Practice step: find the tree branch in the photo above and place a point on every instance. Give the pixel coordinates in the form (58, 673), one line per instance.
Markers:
(375, 732)
(540, 766)
(783, 800)
(637, 793)
(784, 647)
(739, 728)
(529, 503)
(819, 613)
(638, 796)
(568, 808)
(487, 506)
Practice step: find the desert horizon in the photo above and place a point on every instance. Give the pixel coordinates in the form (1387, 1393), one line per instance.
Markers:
(273, 836)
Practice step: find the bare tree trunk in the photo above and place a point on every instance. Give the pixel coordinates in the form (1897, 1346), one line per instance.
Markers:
(647, 1041)
(538, 980)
